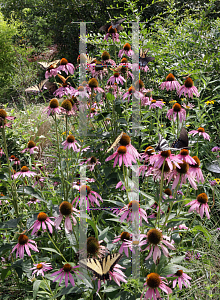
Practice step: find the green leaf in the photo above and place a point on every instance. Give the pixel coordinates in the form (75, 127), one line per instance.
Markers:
(29, 191)
(36, 286)
(205, 232)
(110, 97)
(51, 250)
(103, 233)
(5, 273)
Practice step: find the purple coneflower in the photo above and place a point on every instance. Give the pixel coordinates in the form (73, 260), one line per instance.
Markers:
(200, 131)
(184, 155)
(124, 236)
(131, 91)
(158, 159)
(94, 85)
(132, 211)
(65, 271)
(170, 84)
(44, 222)
(41, 268)
(24, 243)
(153, 282)
(15, 160)
(71, 142)
(33, 201)
(4, 116)
(87, 194)
(98, 70)
(214, 149)
(188, 105)
(31, 146)
(176, 110)
(1, 152)
(106, 60)
(188, 88)
(200, 205)
(51, 71)
(135, 242)
(122, 155)
(168, 194)
(119, 184)
(94, 248)
(126, 50)
(155, 104)
(23, 173)
(92, 162)
(66, 210)
(112, 32)
(195, 170)
(53, 107)
(156, 239)
(66, 66)
(182, 279)
(68, 107)
(116, 78)
(149, 151)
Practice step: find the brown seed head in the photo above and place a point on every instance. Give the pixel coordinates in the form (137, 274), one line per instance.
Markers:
(184, 168)
(3, 114)
(85, 190)
(31, 144)
(112, 30)
(54, 103)
(184, 152)
(39, 266)
(197, 160)
(188, 83)
(93, 160)
(176, 107)
(153, 280)
(149, 150)
(67, 105)
(116, 74)
(92, 245)
(154, 236)
(179, 273)
(134, 205)
(168, 192)
(122, 150)
(63, 61)
(201, 129)
(23, 239)
(170, 77)
(124, 60)
(127, 47)
(66, 208)
(166, 153)
(125, 236)
(105, 56)
(93, 83)
(125, 140)
(42, 217)
(202, 198)
(67, 268)
(24, 169)
(70, 139)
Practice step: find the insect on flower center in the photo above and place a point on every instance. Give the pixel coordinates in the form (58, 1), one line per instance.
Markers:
(184, 152)
(122, 150)
(170, 77)
(153, 280)
(112, 30)
(125, 236)
(39, 266)
(177, 107)
(134, 205)
(93, 160)
(31, 144)
(67, 105)
(54, 103)
(202, 198)
(70, 139)
(66, 208)
(105, 56)
(22, 239)
(42, 217)
(197, 160)
(85, 190)
(184, 168)
(188, 83)
(67, 268)
(179, 273)
(125, 139)
(165, 153)
(201, 129)
(154, 236)
(3, 114)
(63, 61)
(93, 83)
(92, 245)
(24, 169)
(127, 47)
(168, 192)
(131, 90)
(149, 150)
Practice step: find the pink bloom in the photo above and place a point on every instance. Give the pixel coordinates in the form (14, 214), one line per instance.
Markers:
(176, 110)
(188, 105)
(70, 142)
(30, 147)
(188, 88)
(200, 205)
(44, 222)
(184, 155)
(24, 243)
(116, 78)
(15, 160)
(87, 194)
(66, 210)
(158, 159)
(65, 91)
(153, 282)
(41, 268)
(81, 92)
(132, 91)
(23, 173)
(122, 155)
(53, 108)
(135, 242)
(156, 239)
(66, 66)
(51, 72)
(126, 50)
(93, 248)
(170, 84)
(65, 272)
(149, 151)
(155, 104)
(195, 170)
(124, 236)
(119, 184)
(114, 36)
(200, 131)
(214, 149)
(182, 279)
(1, 152)
(33, 201)
(92, 162)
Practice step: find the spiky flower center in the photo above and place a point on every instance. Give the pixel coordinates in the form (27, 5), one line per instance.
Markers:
(80, 89)
(3, 114)
(153, 280)
(105, 56)
(54, 103)
(124, 60)
(67, 105)
(188, 83)
(131, 90)
(179, 273)
(92, 245)
(168, 192)
(197, 160)
(170, 77)
(127, 47)
(177, 107)
(202, 198)
(139, 83)
(42, 217)
(116, 74)
(24, 169)
(184, 168)
(22, 239)
(134, 205)
(16, 159)
(149, 150)
(67, 268)
(31, 144)
(165, 153)
(125, 236)
(39, 266)
(184, 152)
(93, 83)
(63, 61)
(154, 236)
(93, 160)
(122, 150)
(70, 139)
(201, 129)
(93, 110)
(85, 190)
(125, 139)
(66, 208)
(12, 156)
(112, 30)
(33, 199)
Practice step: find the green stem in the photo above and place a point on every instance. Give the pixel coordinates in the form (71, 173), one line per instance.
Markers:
(160, 196)
(96, 231)
(187, 231)
(58, 250)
